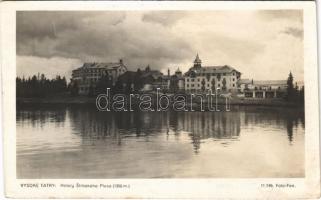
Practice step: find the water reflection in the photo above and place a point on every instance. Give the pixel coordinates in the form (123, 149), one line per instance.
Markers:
(79, 142)
(92, 126)
(198, 125)
(39, 116)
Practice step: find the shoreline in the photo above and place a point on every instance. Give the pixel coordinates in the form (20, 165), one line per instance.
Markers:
(83, 100)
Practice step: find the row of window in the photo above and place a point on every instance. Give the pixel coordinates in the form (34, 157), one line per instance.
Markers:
(192, 79)
(94, 72)
(88, 73)
(198, 85)
(214, 74)
(91, 80)
(208, 85)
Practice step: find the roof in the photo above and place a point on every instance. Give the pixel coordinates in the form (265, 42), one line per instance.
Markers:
(270, 82)
(213, 69)
(128, 76)
(154, 73)
(102, 65)
(197, 59)
(263, 82)
(245, 81)
(177, 77)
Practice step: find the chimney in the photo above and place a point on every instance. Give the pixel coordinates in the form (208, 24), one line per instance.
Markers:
(121, 61)
(168, 72)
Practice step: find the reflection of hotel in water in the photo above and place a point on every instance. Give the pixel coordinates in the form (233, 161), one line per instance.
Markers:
(210, 124)
(197, 125)
(205, 124)
(93, 126)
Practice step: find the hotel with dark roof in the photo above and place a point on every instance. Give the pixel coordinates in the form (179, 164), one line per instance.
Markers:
(202, 78)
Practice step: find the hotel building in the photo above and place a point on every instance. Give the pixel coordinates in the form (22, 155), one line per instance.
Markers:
(89, 74)
(202, 78)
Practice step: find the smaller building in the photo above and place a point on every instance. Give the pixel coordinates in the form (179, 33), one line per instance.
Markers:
(143, 80)
(128, 82)
(153, 79)
(177, 81)
(262, 88)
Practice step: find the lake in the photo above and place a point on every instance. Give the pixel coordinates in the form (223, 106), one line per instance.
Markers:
(80, 142)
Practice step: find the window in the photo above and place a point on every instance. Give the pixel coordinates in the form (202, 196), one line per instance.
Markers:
(218, 85)
(208, 85)
(187, 85)
(233, 85)
(192, 80)
(187, 79)
(198, 79)
(233, 79)
(198, 85)
(192, 85)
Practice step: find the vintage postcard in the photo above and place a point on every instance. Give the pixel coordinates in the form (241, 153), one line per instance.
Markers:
(160, 99)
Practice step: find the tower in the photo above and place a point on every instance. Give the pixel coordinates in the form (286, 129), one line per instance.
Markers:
(178, 72)
(197, 62)
(147, 69)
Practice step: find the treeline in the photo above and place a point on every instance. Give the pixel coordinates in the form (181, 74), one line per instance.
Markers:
(294, 93)
(40, 86)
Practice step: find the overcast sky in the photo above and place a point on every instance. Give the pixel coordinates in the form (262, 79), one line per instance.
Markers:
(260, 44)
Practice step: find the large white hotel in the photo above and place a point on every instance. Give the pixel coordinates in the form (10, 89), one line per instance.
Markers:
(202, 78)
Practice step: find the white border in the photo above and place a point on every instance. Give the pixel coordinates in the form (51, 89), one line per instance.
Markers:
(308, 187)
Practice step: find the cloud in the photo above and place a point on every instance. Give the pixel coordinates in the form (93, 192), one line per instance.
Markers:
(295, 32)
(103, 37)
(233, 49)
(31, 65)
(251, 41)
(294, 15)
(165, 18)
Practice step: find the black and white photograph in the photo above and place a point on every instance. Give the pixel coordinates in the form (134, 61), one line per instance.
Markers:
(174, 94)
(66, 59)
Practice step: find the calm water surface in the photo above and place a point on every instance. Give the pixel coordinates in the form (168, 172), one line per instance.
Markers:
(78, 142)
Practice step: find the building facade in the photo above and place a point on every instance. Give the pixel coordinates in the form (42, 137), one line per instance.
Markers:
(177, 82)
(262, 89)
(154, 79)
(202, 78)
(144, 80)
(87, 76)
